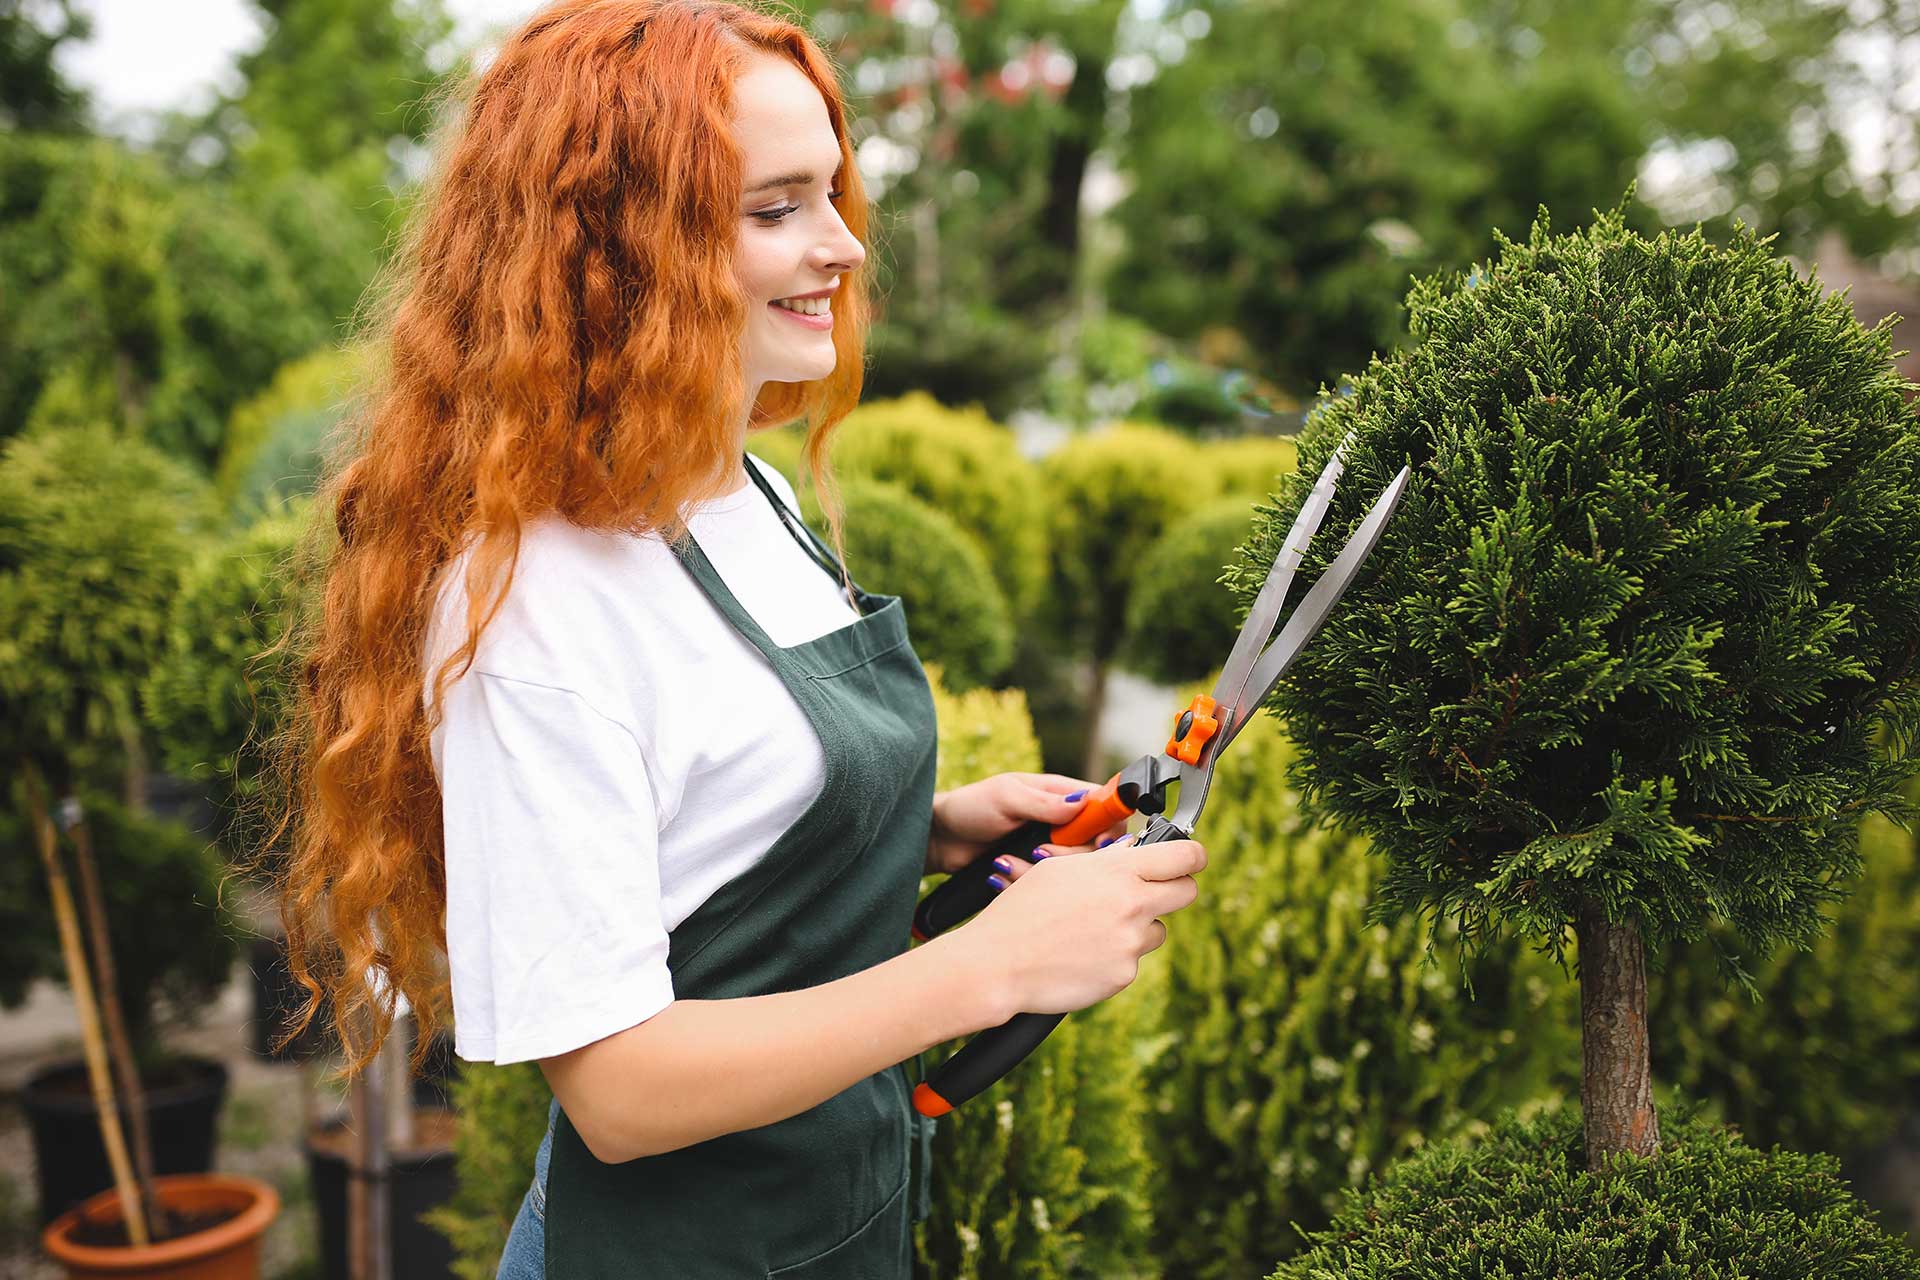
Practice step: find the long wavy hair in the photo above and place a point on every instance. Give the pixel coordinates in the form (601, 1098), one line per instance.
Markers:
(558, 331)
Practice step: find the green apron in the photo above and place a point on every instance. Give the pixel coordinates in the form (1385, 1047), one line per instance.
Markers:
(831, 1192)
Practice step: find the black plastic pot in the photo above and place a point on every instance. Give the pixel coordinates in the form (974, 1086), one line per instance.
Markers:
(417, 1180)
(183, 1104)
(277, 999)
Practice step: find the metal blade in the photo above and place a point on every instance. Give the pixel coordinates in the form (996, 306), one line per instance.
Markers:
(1318, 605)
(1252, 639)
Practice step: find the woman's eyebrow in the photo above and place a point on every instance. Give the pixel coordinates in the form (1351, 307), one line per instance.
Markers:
(784, 180)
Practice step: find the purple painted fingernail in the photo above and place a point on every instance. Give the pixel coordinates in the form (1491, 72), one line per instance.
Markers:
(1006, 868)
(1075, 796)
(1104, 841)
(997, 883)
(1040, 853)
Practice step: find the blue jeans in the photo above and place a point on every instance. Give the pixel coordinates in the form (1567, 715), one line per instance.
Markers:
(525, 1257)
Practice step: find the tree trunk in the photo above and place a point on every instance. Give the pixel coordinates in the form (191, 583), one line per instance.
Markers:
(1616, 1084)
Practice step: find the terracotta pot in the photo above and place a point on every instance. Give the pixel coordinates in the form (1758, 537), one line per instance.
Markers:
(227, 1251)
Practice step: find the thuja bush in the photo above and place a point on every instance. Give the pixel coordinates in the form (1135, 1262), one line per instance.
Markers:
(1043, 1174)
(276, 441)
(1521, 1202)
(899, 545)
(1829, 1058)
(1181, 619)
(1303, 1048)
(1639, 650)
(963, 463)
(215, 697)
(501, 1118)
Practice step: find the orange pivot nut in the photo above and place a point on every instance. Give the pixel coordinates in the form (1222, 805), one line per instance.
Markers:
(1191, 731)
(929, 1103)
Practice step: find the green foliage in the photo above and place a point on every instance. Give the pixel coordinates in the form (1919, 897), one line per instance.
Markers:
(1846, 1011)
(1520, 1202)
(1112, 494)
(1044, 1173)
(33, 93)
(898, 545)
(1180, 620)
(1644, 607)
(962, 463)
(275, 441)
(142, 302)
(212, 699)
(96, 532)
(502, 1118)
(1303, 1048)
(174, 938)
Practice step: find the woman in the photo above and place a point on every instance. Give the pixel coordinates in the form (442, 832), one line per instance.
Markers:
(590, 713)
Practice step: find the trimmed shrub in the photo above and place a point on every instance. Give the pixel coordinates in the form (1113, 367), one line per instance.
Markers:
(1520, 1202)
(1045, 1173)
(277, 441)
(501, 1119)
(96, 532)
(211, 707)
(1181, 620)
(1303, 1048)
(900, 546)
(962, 463)
(1637, 654)
(1846, 1011)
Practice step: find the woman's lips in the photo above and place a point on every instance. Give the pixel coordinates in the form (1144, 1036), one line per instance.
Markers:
(812, 322)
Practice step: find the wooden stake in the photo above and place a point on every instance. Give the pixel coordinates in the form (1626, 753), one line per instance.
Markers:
(74, 954)
(119, 1045)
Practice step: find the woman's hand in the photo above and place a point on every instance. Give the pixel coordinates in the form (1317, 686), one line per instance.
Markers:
(968, 819)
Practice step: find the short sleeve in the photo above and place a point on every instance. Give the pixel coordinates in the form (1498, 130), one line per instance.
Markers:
(555, 935)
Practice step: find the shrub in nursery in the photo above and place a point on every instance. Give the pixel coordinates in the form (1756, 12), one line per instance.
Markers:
(1304, 1048)
(213, 699)
(1044, 1174)
(502, 1115)
(276, 441)
(1639, 650)
(898, 545)
(1181, 619)
(1521, 1202)
(963, 463)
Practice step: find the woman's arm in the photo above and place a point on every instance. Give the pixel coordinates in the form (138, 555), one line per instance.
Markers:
(702, 1068)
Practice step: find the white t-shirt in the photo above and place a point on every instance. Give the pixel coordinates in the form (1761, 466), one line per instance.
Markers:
(616, 753)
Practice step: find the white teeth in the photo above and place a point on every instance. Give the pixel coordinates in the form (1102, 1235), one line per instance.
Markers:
(806, 306)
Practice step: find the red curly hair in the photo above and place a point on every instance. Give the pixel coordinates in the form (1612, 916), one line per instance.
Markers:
(560, 333)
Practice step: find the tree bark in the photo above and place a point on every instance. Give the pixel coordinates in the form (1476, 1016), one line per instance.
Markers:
(1616, 1084)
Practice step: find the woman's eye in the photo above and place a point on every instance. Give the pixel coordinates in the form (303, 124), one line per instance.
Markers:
(774, 215)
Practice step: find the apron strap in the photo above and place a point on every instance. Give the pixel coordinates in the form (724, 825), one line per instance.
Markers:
(810, 542)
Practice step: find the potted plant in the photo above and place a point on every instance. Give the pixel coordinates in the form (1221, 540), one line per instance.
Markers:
(94, 531)
(1638, 654)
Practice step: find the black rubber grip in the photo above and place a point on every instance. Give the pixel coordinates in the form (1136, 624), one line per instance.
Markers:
(997, 1050)
(966, 891)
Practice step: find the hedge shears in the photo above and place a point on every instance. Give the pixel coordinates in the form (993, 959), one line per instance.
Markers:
(1200, 733)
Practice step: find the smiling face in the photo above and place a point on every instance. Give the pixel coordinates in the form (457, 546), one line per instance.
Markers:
(792, 240)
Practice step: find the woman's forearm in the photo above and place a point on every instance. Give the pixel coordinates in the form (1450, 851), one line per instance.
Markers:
(702, 1068)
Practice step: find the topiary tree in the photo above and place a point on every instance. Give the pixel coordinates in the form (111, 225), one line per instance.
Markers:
(215, 696)
(1620, 660)
(962, 463)
(1522, 1202)
(898, 545)
(1302, 1048)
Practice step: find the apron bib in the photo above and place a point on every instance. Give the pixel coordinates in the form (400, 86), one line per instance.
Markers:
(833, 1191)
